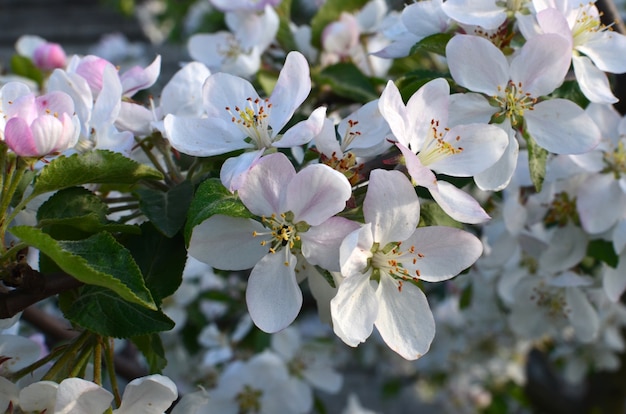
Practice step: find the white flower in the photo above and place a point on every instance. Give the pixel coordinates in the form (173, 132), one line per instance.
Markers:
(383, 259)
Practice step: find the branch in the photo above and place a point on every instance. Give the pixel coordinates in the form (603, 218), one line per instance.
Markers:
(15, 301)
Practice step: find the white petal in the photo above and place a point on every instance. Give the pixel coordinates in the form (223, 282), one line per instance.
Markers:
(485, 13)
(323, 378)
(567, 249)
(292, 88)
(477, 64)
(304, 131)
(583, 317)
(192, 402)
(228, 243)
(394, 111)
(9, 394)
(148, 395)
(498, 176)
(562, 127)
(202, 137)
(234, 170)
(443, 252)
(593, 82)
(21, 351)
(77, 396)
(606, 49)
(468, 108)
(482, 145)
(355, 251)
(404, 319)
(614, 279)
(320, 244)
(619, 236)
(273, 296)
(182, 95)
(427, 106)
(265, 183)
(391, 205)
(458, 204)
(222, 90)
(316, 193)
(39, 396)
(600, 203)
(354, 309)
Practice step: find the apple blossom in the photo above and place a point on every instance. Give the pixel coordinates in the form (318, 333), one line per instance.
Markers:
(427, 143)
(296, 211)
(42, 125)
(45, 55)
(384, 259)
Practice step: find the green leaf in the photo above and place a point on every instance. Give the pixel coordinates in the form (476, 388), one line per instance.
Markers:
(166, 210)
(603, 250)
(95, 167)
(537, 158)
(102, 311)
(432, 215)
(78, 208)
(212, 198)
(160, 258)
(152, 349)
(412, 81)
(346, 80)
(434, 43)
(23, 66)
(466, 296)
(570, 90)
(328, 13)
(98, 260)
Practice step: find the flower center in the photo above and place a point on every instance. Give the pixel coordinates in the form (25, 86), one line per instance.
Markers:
(282, 232)
(435, 147)
(350, 135)
(586, 23)
(348, 165)
(616, 160)
(551, 300)
(249, 400)
(513, 103)
(396, 261)
(253, 120)
(562, 210)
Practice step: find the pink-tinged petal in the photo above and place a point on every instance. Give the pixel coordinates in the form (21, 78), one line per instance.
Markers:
(320, 244)
(600, 203)
(304, 131)
(39, 397)
(49, 56)
(404, 319)
(235, 169)
(393, 110)
(47, 134)
(498, 176)
(354, 309)
(228, 243)
(582, 315)
(562, 127)
(265, 183)
(614, 279)
(316, 193)
(273, 296)
(78, 88)
(356, 250)
(593, 82)
(292, 88)
(138, 78)
(606, 49)
(19, 137)
(201, 137)
(420, 174)
(480, 145)
(553, 21)
(542, 63)
(476, 64)
(391, 205)
(55, 101)
(22, 107)
(445, 252)
(91, 68)
(458, 204)
(484, 13)
(77, 396)
(152, 394)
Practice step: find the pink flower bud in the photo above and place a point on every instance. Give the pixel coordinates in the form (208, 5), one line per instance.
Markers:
(49, 56)
(42, 125)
